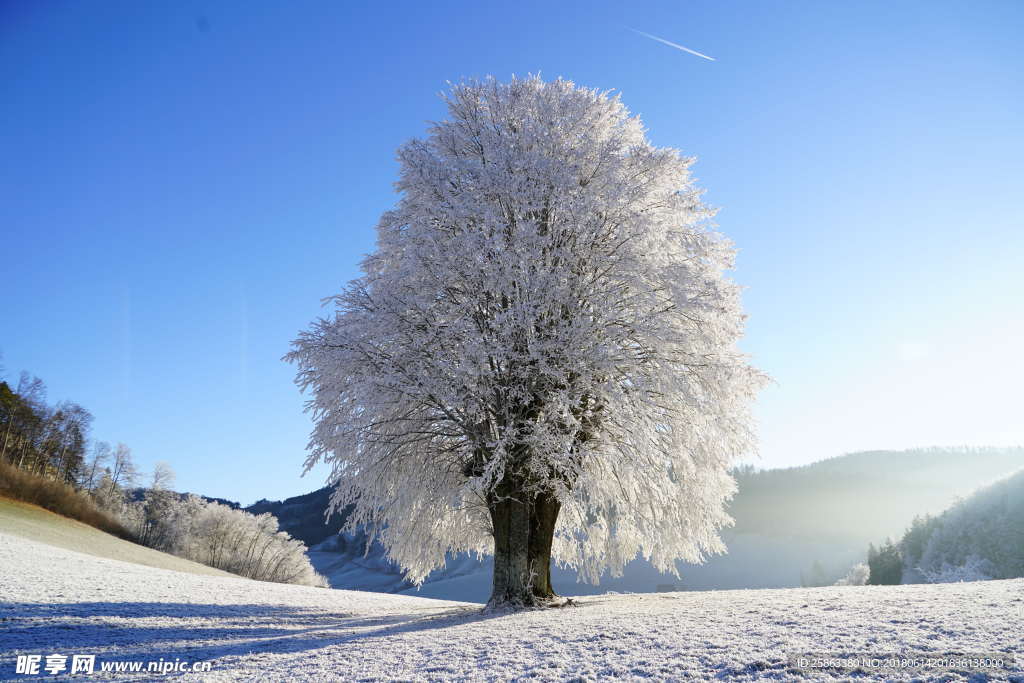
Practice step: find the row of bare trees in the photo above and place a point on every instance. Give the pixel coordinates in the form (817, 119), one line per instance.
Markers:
(53, 441)
(40, 438)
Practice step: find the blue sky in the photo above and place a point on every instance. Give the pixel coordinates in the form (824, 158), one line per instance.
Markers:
(181, 183)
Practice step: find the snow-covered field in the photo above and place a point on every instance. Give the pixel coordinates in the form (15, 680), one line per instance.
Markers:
(57, 601)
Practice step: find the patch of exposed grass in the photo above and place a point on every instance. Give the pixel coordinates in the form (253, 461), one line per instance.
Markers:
(36, 524)
(58, 497)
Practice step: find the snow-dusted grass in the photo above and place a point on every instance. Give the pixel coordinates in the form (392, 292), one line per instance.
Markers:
(55, 600)
(33, 522)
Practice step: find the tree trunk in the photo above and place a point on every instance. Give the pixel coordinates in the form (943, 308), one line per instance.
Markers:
(524, 527)
(543, 516)
(7, 436)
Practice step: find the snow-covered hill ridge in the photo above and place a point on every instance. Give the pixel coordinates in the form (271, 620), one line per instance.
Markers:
(58, 601)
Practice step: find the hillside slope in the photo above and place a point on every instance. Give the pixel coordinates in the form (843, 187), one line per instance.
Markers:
(57, 601)
(36, 524)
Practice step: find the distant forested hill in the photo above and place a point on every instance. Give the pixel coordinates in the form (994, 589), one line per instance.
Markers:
(980, 537)
(864, 495)
(304, 517)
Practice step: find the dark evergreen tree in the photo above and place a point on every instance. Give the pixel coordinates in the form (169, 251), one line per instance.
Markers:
(886, 564)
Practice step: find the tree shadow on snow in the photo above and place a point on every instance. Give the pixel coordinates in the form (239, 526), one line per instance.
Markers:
(201, 632)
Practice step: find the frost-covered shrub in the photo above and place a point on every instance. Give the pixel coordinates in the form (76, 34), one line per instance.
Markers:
(857, 576)
(164, 519)
(974, 568)
(248, 545)
(216, 535)
(110, 497)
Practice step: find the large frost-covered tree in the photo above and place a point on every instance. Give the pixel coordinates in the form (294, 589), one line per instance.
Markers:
(540, 359)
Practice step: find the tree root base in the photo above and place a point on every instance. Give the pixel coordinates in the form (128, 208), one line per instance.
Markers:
(534, 603)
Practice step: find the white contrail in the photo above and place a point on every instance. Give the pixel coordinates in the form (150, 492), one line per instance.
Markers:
(671, 44)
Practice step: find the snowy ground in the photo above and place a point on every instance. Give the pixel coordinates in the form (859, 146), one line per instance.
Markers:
(56, 601)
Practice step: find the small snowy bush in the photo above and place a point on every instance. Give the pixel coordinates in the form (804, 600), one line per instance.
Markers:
(857, 576)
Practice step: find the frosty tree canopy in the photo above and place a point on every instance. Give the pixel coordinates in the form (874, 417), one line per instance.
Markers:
(540, 357)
